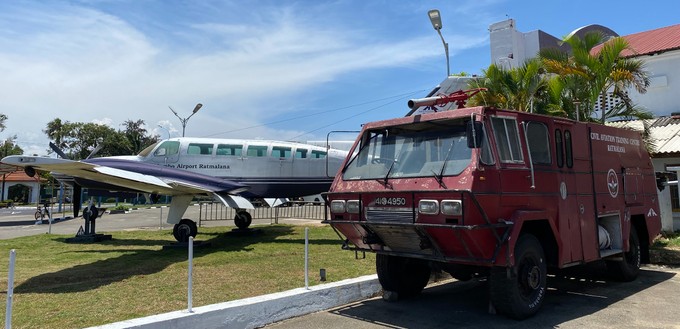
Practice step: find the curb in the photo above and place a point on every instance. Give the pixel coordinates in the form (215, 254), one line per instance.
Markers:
(259, 311)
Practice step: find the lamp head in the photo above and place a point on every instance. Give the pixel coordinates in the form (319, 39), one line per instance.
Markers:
(198, 107)
(435, 18)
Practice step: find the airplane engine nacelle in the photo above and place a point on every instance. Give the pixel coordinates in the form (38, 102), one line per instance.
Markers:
(30, 171)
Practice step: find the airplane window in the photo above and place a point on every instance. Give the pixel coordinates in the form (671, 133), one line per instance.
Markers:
(318, 154)
(145, 152)
(231, 150)
(167, 148)
(202, 149)
(257, 150)
(281, 152)
(301, 154)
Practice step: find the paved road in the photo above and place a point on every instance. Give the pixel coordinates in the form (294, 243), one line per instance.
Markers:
(21, 222)
(652, 301)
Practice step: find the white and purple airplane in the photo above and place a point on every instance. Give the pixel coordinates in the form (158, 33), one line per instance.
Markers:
(229, 170)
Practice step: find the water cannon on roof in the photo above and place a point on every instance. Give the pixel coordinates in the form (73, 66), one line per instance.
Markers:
(459, 97)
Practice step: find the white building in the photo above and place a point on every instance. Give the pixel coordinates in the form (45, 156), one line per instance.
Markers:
(660, 51)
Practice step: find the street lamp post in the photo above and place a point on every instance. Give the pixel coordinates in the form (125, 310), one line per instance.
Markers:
(436, 20)
(184, 121)
(166, 129)
(578, 110)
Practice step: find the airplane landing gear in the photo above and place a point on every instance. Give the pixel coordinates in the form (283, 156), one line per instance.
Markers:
(242, 219)
(184, 229)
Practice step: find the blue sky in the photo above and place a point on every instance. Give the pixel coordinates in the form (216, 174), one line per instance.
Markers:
(290, 70)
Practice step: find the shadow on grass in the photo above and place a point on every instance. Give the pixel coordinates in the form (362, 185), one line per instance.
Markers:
(136, 262)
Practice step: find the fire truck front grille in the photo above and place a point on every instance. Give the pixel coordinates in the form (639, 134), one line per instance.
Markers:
(390, 215)
(401, 239)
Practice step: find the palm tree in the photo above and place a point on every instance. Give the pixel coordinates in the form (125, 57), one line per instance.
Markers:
(518, 88)
(595, 72)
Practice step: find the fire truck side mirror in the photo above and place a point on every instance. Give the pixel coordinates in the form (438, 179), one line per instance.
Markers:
(474, 133)
(661, 181)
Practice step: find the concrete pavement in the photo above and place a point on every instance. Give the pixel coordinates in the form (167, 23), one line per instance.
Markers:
(21, 222)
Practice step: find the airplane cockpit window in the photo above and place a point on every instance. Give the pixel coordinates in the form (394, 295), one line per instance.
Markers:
(301, 154)
(200, 149)
(145, 152)
(281, 152)
(257, 150)
(319, 154)
(167, 148)
(229, 150)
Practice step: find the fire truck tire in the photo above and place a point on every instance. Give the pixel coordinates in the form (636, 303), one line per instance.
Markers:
(519, 293)
(242, 219)
(405, 276)
(628, 268)
(184, 229)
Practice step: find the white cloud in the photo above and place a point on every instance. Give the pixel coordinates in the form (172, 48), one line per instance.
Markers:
(82, 64)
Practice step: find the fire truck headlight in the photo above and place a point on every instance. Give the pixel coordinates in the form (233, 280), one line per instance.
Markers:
(428, 207)
(338, 206)
(452, 207)
(353, 206)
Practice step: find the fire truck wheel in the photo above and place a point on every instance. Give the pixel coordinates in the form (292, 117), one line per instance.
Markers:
(628, 268)
(243, 219)
(184, 229)
(520, 293)
(405, 276)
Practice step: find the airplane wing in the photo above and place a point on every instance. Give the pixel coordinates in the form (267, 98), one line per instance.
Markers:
(137, 176)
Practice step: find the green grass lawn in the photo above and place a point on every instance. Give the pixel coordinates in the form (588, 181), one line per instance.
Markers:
(67, 285)
(668, 240)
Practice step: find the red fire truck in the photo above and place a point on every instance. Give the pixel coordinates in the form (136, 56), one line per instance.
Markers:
(498, 193)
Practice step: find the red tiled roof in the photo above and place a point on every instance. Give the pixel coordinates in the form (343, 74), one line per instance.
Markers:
(20, 176)
(654, 41)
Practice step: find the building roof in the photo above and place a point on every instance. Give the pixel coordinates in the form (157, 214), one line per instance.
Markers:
(653, 42)
(20, 176)
(664, 133)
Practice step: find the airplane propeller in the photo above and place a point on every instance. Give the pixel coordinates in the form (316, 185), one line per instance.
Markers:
(76, 188)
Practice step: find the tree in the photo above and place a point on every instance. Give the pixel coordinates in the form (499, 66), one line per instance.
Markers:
(520, 88)
(137, 136)
(596, 71)
(77, 140)
(3, 118)
(10, 147)
(56, 130)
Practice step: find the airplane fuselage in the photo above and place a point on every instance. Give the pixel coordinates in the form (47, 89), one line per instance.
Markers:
(272, 169)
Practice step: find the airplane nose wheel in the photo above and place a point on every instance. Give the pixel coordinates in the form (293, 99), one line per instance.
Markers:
(184, 229)
(243, 219)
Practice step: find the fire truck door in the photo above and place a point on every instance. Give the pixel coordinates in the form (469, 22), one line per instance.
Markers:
(569, 203)
(515, 178)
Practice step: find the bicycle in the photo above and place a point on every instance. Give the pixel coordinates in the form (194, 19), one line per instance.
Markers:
(42, 212)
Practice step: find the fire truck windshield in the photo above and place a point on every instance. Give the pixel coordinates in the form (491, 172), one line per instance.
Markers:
(398, 153)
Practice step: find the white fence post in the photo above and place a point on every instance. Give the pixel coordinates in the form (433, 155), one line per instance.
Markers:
(10, 289)
(191, 270)
(306, 257)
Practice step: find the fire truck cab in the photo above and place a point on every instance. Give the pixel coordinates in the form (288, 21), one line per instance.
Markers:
(498, 193)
